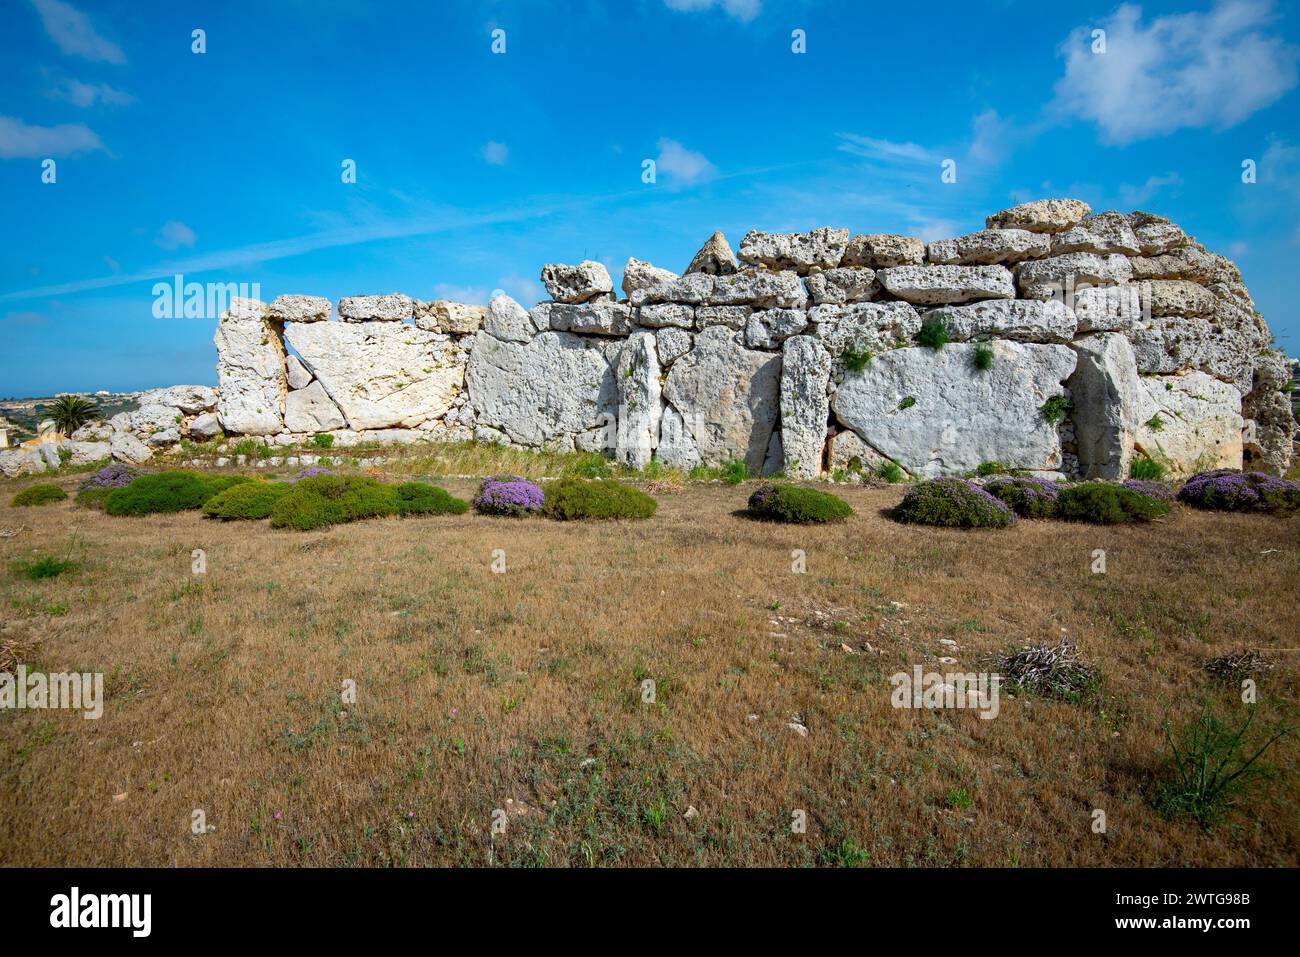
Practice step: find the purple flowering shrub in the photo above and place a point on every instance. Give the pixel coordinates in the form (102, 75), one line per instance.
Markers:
(508, 495)
(310, 473)
(1229, 491)
(116, 475)
(1157, 490)
(1027, 497)
(953, 503)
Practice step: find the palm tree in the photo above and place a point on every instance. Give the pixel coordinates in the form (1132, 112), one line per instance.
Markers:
(71, 412)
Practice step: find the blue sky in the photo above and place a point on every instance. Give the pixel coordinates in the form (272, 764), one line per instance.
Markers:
(475, 168)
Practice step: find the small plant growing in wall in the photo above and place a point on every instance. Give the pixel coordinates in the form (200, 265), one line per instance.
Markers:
(322, 440)
(1155, 423)
(1056, 409)
(933, 335)
(907, 403)
(983, 358)
(1148, 470)
(856, 358)
(891, 472)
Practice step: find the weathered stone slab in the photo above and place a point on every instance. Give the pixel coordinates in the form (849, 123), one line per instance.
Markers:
(574, 284)
(800, 252)
(641, 275)
(1060, 276)
(1041, 216)
(763, 290)
(600, 317)
(989, 247)
(1026, 320)
(935, 413)
(456, 318)
(508, 321)
(1103, 234)
(293, 308)
(661, 314)
(250, 370)
(1190, 423)
(715, 258)
(1108, 400)
(692, 289)
(380, 374)
(673, 343)
(939, 285)
(883, 250)
(312, 410)
(843, 285)
(768, 328)
(870, 326)
(393, 307)
(640, 404)
(805, 406)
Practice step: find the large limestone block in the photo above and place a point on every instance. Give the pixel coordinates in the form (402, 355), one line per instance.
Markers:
(205, 426)
(865, 326)
(805, 406)
(641, 275)
(574, 284)
(677, 448)
(1108, 308)
(1103, 234)
(312, 410)
(1171, 345)
(1191, 423)
(673, 343)
(763, 290)
(640, 401)
(801, 252)
(843, 285)
(443, 315)
(1108, 402)
(392, 307)
(958, 416)
(1155, 234)
(988, 247)
(940, 285)
(293, 308)
(87, 453)
(508, 321)
(380, 374)
(190, 399)
(296, 373)
(850, 454)
(1041, 216)
(1177, 297)
(728, 397)
(125, 447)
(715, 258)
(692, 289)
(250, 370)
(1057, 277)
(768, 328)
(883, 250)
(662, 314)
(600, 317)
(1028, 320)
(556, 384)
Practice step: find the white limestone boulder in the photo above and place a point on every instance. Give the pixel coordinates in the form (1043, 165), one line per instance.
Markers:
(843, 285)
(87, 453)
(728, 397)
(867, 326)
(573, 284)
(380, 374)
(883, 251)
(392, 307)
(805, 406)
(800, 252)
(989, 247)
(190, 399)
(1026, 320)
(556, 384)
(1041, 216)
(662, 314)
(940, 285)
(599, 317)
(672, 344)
(640, 401)
(294, 308)
(733, 317)
(768, 328)
(1190, 423)
(762, 290)
(642, 275)
(1057, 277)
(125, 447)
(1108, 405)
(205, 426)
(1103, 234)
(693, 288)
(251, 380)
(295, 373)
(715, 258)
(455, 318)
(1155, 234)
(312, 410)
(935, 413)
(508, 321)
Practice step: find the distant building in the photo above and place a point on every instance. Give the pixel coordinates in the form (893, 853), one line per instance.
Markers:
(4, 438)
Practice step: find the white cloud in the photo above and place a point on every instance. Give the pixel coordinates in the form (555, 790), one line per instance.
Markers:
(495, 154)
(113, 265)
(20, 141)
(74, 34)
(175, 234)
(1135, 197)
(681, 163)
(742, 10)
(1211, 69)
(885, 151)
(520, 288)
(472, 295)
(85, 94)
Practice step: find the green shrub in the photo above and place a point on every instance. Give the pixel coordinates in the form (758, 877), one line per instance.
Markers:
(983, 358)
(43, 493)
(797, 503)
(993, 467)
(952, 503)
(1148, 470)
(933, 335)
(589, 465)
(1155, 423)
(419, 498)
(568, 499)
(907, 403)
(42, 567)
(246, 500)
(174, 491)
(322, 440)
(1026, 496)
(93, 497)
(856, 359)
(891, 472)
(1056, 409)
(1102, 503)
(323, 500)
(733, 473)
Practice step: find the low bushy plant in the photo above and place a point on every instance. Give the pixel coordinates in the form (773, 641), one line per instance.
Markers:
(322, 440)
(1161, 491)
(570, 499)
(420, 498)
(1230, 491)
(934, 334)
(798, 504)
(1027, 497)
(1145, 469)
(508, 495)
(1056, 409)
(324, 500)
(173, 491)
(856, 358)
(99, 485)
(983, 358)
(41, 567)
(42, 493)
(953, 503)
(1105, 503)
(247, 500)
(891, 472)
(733, 473)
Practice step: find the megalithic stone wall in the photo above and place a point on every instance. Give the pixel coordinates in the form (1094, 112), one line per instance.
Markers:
(1075, 344)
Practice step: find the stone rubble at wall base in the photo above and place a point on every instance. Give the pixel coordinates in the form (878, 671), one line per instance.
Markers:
(797, 354)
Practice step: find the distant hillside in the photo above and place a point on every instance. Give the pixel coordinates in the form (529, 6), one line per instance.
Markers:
(23, 415)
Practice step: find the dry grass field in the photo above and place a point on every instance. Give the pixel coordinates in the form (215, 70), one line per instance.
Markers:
(520, 691)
